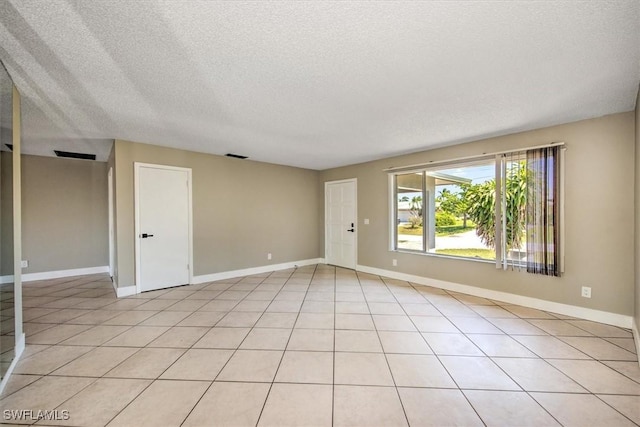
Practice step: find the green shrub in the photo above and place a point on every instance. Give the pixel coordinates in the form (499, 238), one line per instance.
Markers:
(444, 219)
(481, 200)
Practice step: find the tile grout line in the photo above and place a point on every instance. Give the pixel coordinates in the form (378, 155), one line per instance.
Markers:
(93, 382)
(505, 373)
(335, 313)
(509, 376)
(437, 356)
(152, 381)
(375, 326)
(234, 350)
(275, 374)
(95, 379)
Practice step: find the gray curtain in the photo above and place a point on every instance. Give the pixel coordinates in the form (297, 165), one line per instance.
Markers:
(542, 218)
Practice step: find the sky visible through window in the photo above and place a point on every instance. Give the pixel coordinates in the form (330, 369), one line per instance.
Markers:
(477, 174)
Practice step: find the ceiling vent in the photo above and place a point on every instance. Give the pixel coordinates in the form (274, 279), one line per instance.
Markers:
(236, 156)
(71, 155)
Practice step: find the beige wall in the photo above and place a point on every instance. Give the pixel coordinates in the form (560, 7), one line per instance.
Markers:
(64, 214)
(599, 216)
(241, 210)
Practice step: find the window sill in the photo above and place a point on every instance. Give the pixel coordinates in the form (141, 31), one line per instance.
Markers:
(436, 255)
(520, 266)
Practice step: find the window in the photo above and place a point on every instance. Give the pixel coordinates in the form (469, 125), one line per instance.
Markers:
(441, 224)
(503, 208)
(411, 192)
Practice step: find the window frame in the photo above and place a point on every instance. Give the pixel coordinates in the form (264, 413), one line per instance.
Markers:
(393, 190)
(394, 207)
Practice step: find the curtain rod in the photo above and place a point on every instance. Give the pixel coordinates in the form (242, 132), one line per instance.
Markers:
(477, 156)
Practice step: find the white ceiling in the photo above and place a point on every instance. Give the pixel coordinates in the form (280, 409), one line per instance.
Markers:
(313, 84)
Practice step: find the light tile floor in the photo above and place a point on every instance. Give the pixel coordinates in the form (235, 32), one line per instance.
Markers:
(314, 346)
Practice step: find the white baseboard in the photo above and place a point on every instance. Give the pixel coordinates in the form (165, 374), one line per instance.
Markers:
(554, 307)
(254, 270)
(20, 343)
(46, 275)
(125, 291)
(6, 279)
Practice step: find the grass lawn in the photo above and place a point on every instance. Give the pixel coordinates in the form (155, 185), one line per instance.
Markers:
(406, 230)
(447, 230)
(471, 253)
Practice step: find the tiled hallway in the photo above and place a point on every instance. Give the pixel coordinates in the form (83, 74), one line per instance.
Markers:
(314, 346)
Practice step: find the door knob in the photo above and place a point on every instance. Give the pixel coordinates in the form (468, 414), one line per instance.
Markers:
(351, 230)
(145, 235)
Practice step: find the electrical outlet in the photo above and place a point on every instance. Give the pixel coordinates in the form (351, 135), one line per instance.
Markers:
(24, 263)
(366, 221)
(269, 255)
(394, 262)
(586, 292)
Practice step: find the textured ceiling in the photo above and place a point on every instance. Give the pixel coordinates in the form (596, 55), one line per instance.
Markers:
(313, 84)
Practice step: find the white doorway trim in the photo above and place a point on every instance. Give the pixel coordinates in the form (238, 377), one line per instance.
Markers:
(136, 183)
(111, 230)
(355, 213)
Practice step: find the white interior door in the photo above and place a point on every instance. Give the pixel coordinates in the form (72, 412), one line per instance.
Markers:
(341, 223)
(163, 212)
